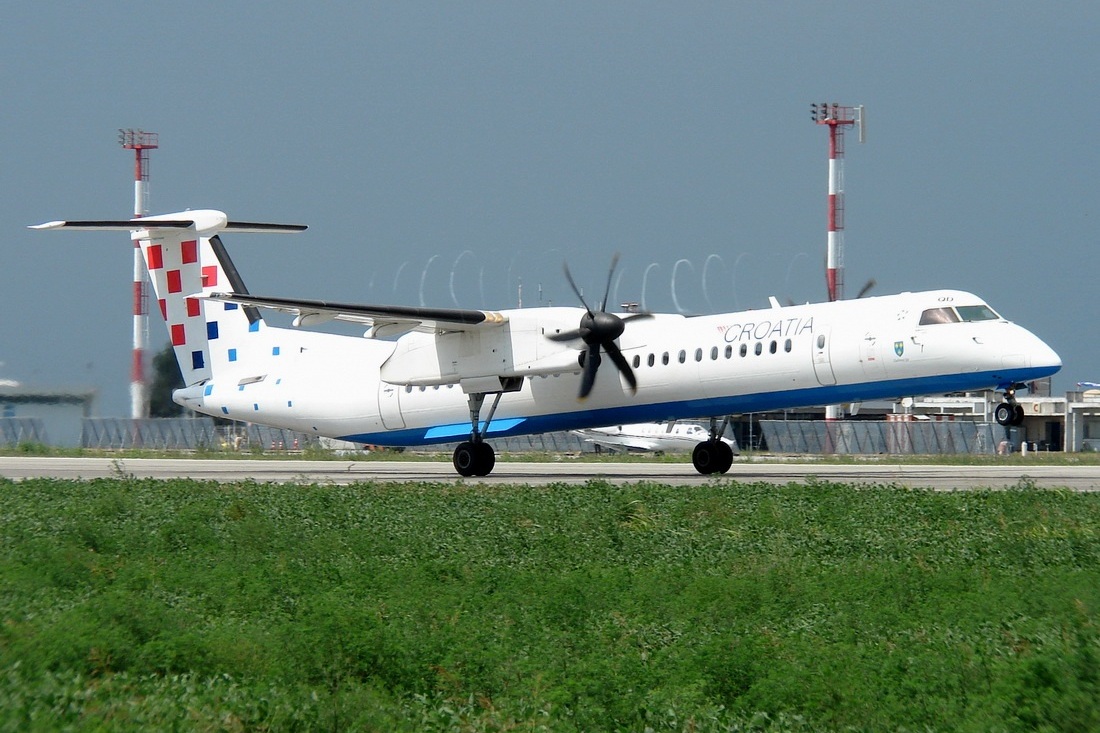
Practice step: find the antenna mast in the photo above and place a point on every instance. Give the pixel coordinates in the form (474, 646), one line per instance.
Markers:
(141, 143)
(836, 118)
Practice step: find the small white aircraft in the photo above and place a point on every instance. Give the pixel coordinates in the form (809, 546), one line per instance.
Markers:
(650, 437)
(421, 375)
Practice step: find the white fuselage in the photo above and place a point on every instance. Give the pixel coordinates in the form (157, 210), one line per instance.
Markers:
(413, 391)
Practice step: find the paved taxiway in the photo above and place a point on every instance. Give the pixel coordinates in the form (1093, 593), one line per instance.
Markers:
(1078, 478)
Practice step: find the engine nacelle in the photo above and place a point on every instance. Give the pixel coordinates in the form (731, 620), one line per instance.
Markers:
(517, 348)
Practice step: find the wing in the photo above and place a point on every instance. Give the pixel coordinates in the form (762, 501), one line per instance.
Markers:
(384, 320)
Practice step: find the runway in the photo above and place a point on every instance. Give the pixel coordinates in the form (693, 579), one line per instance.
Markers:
(1077, 478)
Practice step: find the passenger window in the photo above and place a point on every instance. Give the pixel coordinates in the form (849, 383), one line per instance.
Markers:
(759, 348)
(729, 351)
(650, 360)
(698, 355)
(664, 358)
(771, 347)
(637, 361)
(683, 356)
(821, 341)
(744, 349)
(714, 353)
(787, 346)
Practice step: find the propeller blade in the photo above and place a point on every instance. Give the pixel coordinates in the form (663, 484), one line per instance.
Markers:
(576, 290)
(867, 288)
(610, 274)
(620, 361)
(591, 364)
(599, 330)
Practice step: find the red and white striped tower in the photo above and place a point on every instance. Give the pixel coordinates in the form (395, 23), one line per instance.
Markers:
(141, 143)
(836, 118)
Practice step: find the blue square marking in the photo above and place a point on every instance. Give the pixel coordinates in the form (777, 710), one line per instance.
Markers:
(211, 330)
(232, 355)
(208, 390)
(232, 306)
(197, 361)
(225, 410)
(274, 350)
(254, 326)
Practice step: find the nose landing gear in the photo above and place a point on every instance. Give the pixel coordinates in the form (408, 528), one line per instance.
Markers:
(714, 455)
(1009, 412)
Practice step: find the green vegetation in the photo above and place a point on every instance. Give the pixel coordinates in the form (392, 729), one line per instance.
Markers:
(129, 604)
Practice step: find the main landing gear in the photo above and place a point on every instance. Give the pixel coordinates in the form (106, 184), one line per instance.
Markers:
(1009, 412)
(713, 455)
(475, 457)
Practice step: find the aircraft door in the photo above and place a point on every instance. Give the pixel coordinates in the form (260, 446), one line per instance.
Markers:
(389, 406)
(823, 367)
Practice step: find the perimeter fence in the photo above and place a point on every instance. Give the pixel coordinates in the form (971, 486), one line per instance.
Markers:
(188, 433)
(916, 437)
(21, 431)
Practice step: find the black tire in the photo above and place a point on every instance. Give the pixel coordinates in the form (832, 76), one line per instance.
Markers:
(704, 458)
(465, 458)
(724, 456)
(1017, 414)
(486, 459)
(1004, 414)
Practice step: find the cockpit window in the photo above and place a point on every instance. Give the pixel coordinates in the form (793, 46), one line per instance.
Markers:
(963, 313)
(938, 315)
(977, 313)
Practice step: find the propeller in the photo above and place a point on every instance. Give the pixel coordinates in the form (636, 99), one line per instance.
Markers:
(598, 330)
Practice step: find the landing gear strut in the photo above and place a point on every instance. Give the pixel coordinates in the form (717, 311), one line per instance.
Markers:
(1009, 412)
(713, 455)
(475, 457)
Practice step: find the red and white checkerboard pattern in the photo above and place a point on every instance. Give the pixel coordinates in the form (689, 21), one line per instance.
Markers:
(199, 329)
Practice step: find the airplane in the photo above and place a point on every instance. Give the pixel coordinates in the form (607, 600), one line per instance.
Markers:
(422, 375)
(650, 437)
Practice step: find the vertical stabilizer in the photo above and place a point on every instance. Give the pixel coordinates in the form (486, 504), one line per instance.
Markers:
(205, 335)
(186, 259)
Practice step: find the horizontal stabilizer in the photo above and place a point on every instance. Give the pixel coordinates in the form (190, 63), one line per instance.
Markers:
(206, 221)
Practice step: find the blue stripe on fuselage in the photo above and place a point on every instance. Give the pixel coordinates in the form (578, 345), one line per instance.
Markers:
(739, 404)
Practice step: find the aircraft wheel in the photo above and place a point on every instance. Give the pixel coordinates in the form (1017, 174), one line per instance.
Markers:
(1004, 414)
(465, 458)
(1017, 414)
(724, 455)
(705, 458)
(486, 459)
(474, 459)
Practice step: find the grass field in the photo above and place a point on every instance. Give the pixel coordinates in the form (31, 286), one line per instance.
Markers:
(129, 605)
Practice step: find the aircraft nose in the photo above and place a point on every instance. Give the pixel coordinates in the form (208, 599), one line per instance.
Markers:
(1044, 356)
(1038, 355)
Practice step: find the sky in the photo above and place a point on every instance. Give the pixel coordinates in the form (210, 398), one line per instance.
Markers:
(458, 153)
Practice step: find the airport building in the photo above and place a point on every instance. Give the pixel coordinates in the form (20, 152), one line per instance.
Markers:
(46, 416)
